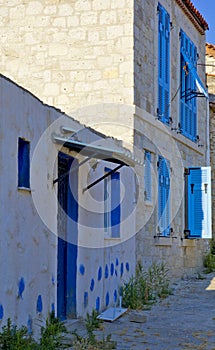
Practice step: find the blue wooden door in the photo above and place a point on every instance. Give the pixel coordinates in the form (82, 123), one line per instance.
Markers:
(67, 236)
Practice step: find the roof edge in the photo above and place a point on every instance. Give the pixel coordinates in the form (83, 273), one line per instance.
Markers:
(194, 15)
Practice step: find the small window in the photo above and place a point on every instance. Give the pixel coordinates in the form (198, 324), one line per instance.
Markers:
(112, 210)
(23, 163)
(147, 177)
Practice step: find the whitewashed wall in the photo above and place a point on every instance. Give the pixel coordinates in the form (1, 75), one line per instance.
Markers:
(28, 241)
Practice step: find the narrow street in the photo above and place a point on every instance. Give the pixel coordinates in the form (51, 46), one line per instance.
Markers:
(184, 320)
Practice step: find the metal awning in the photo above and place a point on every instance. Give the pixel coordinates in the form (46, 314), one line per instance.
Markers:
(120, 157)
(123, 157)
(200, 86)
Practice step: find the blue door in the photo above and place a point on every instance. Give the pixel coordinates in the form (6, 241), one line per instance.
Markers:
(67, 236)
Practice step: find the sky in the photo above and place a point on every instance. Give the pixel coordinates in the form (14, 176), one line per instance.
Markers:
(207, 10)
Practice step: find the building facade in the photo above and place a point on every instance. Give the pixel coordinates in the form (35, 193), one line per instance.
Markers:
(129, 70)
(67, 240)
(210, 75)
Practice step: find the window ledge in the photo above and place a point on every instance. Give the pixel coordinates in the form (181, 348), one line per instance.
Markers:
(148, 203)
(24, 189)
(112, 238)
(188, 242)
(163, 241)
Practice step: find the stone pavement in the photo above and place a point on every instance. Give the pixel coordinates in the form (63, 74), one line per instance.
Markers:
(184, 320)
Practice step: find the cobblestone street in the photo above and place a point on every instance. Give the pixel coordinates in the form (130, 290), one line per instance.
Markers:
(184, 320)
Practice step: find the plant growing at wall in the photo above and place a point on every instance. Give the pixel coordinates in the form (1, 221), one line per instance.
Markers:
(209, 260)
(53, 335)
(157, 280)
(12, 338)
(90, 342)
(145, 287)
(135, 291)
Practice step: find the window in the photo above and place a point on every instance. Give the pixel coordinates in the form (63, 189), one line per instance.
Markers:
(188, 114)
(147, 177)
(163, 64)
(198, 206)
(23, 163)
(112, 208)
(163, 196)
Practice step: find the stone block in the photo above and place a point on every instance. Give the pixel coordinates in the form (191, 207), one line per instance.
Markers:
(57, 50)
(88, 18)
(34, 8)
(51, 89)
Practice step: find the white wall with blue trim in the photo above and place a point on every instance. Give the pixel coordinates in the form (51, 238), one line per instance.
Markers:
(29, 218)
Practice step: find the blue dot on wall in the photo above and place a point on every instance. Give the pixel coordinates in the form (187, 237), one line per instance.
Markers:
(117, 261)
(112, 269)
(39, 304)
(1, 312)
(106, 271)
(53, 280)
(82, 269)
(127, 266)
(121, 269)
(107, 299)
(97, 304)
(21, 287)
(92, 284)
(85, 299)
(116, 272)
(100, 273)
(29, 325)
(52, 308)
(115, 296)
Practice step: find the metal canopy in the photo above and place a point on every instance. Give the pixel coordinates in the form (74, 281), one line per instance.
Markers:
(200, 86)
(99, 152)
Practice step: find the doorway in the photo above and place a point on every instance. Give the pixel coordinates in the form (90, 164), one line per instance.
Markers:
(67, 236)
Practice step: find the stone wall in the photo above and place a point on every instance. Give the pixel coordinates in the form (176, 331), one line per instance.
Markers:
(210, 71)
(182, 256)
(69, 53)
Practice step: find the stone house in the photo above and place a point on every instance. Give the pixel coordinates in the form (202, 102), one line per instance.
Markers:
(210, 75)
(67, 226)
(128, 68)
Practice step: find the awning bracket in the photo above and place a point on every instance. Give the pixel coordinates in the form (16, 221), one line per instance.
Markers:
(103, 177)
(74, 168)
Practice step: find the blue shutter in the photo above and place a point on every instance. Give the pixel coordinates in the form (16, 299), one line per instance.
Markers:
(23, 163)
(188, 111)
(199, 202)
(147, 177)
(163, 64)
(115, 205)
(163, 196)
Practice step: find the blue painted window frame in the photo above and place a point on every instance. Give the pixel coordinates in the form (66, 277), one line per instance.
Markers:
(188, 105)
(147, 177)
(199, 202)
(112, 206)
(163, 65)
(163, 196)
(23, 163)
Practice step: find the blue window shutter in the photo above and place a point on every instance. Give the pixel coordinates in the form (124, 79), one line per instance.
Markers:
(147, 177)
(199, 202)
(188, 110)
(163, 196)
(115, 204)
(23, 163)
(163, 64)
